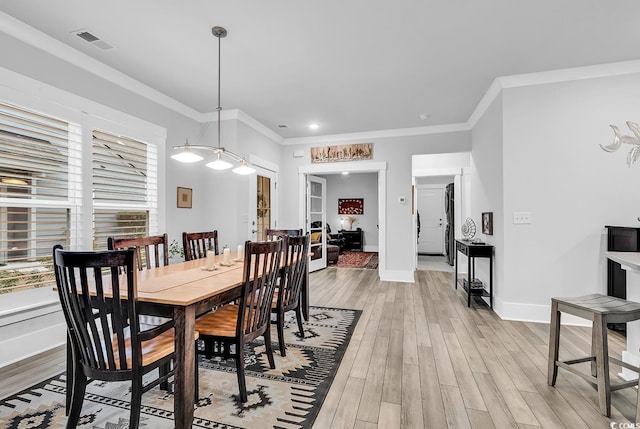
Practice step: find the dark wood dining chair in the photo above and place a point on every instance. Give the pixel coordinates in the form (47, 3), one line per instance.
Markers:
(274, 234)
(227, 329)
(287, 294)
(106, 340)
(148, 249)
(197, 244)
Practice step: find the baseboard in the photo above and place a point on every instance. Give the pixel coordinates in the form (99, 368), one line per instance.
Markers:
(370, 248)
(533, 313)
(27, 360)
(397, 276)
(34, 341)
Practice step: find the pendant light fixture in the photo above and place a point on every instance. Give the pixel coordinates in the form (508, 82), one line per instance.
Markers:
(186, 155)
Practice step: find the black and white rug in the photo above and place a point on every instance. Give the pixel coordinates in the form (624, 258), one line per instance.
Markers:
(289, 396)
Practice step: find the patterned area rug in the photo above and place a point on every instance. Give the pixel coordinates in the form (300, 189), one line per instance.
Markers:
(358, 260)
(289, 396)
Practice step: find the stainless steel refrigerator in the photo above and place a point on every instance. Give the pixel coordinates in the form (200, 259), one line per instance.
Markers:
(449, 231)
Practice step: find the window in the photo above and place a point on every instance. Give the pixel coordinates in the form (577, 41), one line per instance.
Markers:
(124, 175)
(42, 198)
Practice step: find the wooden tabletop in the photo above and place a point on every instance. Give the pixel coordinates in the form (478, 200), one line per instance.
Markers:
(185, 283)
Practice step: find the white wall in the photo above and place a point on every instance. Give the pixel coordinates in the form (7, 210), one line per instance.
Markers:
(359, 185)
(555, 169)
(487, 194)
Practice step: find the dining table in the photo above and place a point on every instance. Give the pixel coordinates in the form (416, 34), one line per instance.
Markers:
(181, 291)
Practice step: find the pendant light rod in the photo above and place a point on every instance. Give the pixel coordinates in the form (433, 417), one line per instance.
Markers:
(218, 163)
(219, 32)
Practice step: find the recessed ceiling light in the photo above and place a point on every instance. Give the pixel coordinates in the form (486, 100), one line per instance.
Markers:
(425, 116)
(314, 126)
(345, 173)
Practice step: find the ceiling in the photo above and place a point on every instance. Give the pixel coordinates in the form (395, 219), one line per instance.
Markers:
(351, 66)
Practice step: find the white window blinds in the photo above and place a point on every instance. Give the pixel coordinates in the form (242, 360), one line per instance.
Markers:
(124, 187)
(39, 181)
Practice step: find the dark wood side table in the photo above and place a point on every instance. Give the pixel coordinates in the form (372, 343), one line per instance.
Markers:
(620, 239)
(473, 251)
(353, 240)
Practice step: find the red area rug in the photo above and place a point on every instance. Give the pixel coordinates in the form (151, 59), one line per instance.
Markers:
(358, 260)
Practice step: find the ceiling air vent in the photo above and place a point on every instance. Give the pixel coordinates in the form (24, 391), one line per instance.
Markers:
(87, 36)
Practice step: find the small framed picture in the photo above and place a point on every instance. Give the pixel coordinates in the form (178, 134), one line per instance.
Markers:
(184, 198)
(487, 223)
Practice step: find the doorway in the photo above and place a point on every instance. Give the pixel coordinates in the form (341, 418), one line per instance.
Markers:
(431, 219)
(435, 223)
(360, 167)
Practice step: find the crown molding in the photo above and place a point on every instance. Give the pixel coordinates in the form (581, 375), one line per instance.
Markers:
(21, 31)
(380, 134)
(549, 77)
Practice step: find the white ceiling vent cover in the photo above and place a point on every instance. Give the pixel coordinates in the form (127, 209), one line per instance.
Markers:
(88, 36)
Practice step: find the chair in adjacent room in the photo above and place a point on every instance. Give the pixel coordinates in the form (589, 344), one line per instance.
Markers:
(227, 329)
(287, 295)
(197, 244)
(150, 251)
(274, 234)
(106, 340)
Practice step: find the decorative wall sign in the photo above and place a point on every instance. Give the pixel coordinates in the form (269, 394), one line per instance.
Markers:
(346, 152)
(487, 223)
(184, 198)
(350, 206)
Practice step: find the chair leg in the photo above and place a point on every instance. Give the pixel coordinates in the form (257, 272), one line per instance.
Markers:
(594, 369)
(602, 365)
(554, 344)
(136, 400)
(299, 319)
(77, 397)
(163, 370)
(280, 326)
(196, 382)
(638, 407)
(269, 347)
(242, 386)
(70, 375)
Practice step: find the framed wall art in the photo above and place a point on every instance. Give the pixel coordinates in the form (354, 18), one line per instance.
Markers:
(184, 198)
(350, 206)
(487, 223)
(345, 152)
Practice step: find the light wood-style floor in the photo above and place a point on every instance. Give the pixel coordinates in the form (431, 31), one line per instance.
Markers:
(419, 358)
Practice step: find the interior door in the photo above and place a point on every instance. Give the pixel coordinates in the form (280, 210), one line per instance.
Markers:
(432, 220)
(317, 220)
(262, 202)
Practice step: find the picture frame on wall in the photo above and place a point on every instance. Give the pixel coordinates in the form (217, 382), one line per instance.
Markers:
(350, 206)
(487, 223)
(185, 198)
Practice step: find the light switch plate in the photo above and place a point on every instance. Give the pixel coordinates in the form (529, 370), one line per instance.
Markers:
(521, 217)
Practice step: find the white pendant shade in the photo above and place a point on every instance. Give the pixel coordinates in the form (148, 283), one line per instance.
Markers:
(187, 156)
(244, 169)
(219, 163)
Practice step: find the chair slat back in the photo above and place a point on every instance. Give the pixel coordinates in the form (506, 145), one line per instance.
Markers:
(157, 244)
(89, 287)
(261, 264)
(296, 250)
(274, 234)
(196, 244)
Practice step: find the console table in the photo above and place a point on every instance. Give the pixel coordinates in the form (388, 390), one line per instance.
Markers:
(473, 251)
(353, 240)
